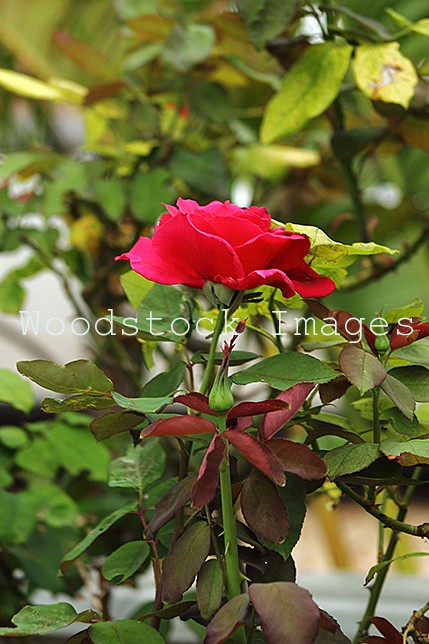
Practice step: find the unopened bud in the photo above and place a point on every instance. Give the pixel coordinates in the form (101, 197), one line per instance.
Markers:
(382, 343)
(221, 399)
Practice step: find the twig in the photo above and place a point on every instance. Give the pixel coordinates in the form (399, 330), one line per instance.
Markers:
(411, 626)
(381, 272)
(398, 525)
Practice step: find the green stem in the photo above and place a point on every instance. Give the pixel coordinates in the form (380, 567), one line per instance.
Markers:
(377, 587)
(397, 524)
(376, 433)
(233, 578)
(211, 359)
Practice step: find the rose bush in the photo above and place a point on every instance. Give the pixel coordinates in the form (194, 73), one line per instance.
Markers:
(223, 243)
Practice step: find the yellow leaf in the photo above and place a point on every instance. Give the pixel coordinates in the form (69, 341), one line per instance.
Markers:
(140, 148)
(24, 85)
(271, 161)
(383, 74)
(71, 92)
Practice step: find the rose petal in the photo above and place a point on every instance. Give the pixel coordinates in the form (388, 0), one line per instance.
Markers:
(308, 283)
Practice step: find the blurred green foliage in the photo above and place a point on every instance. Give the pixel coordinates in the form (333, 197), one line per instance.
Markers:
(318, 112)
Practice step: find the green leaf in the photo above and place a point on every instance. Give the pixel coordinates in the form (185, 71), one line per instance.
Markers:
(413, 310)
(376, 569)
(209, 588)
(236, 358)
(369, 24)
(384, 74)
(18, 516)
(98, 530)
(348, 459)
(286, 370)
(12, 295)
(210, 101)
(361, 368)
(13, 437)
(407, 426)
(77, 452)
(187, 46)
(104, 427)
(55, 507)
(75, 377)
(15, 391)
(142, 405)
(76, 403)
(184, 560)
(140, 467)
(125, 561)
(203, 171)
(408, 453)
(400, 395)
(136, 287)
(307, 90)
(38, 620)
(148, 191)
(124, 631)
(265, 19)
(165, 383)
(419, 27)
(416, 353)
(111, 196)
(158, 312)
(416, 379)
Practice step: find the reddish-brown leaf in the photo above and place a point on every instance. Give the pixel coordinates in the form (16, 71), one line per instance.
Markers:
(298, 459)
(179, 426)
(274, 421)
(263, 509)
(101, 92)
(257, 454)
(184, 560)
(387, 629)
(329, 391)
(256, 408)
(208, 477)
(83, 55)
(227, 619)
(196, 401)
(170, 503)
(288, 613)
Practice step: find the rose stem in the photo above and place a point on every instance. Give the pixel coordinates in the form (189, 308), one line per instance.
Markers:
(376, 589)
(210, 360)
(232, 565)
(376, 422)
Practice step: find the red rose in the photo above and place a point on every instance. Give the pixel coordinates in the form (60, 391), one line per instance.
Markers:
(223, 243)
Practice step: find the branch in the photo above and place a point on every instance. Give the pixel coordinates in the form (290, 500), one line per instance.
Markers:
(421, 530)
(381, 272)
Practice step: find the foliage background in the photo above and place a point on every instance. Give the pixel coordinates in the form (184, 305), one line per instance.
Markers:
(140, 102)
